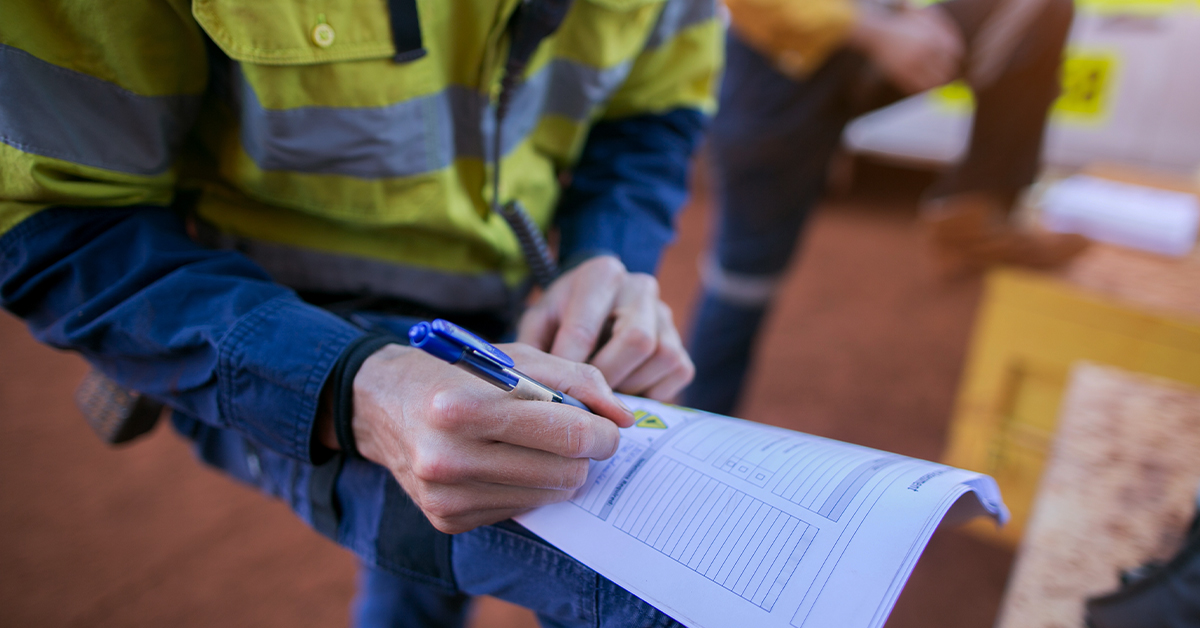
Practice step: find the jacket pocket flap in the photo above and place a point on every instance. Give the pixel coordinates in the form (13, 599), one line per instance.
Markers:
(286, 32)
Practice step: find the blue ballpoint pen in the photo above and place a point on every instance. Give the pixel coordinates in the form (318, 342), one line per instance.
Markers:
(445, 340)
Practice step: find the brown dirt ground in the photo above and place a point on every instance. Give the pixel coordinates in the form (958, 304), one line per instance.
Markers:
(866, 346)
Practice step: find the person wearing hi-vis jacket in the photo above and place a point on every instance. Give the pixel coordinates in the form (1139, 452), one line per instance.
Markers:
(237, 209)
(797, 72)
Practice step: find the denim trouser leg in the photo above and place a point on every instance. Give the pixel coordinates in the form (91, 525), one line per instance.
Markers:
(771, 144)
(721, 348)
(507, 562)
(384, 600)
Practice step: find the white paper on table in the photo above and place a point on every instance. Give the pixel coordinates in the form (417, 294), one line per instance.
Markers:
(1136, 216)
(720, 522)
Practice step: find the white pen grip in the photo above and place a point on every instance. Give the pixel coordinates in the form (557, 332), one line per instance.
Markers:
(528, 389)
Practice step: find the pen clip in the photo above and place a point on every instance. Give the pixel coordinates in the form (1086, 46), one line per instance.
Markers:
(469, 341)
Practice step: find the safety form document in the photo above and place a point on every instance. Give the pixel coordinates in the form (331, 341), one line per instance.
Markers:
(720, 522)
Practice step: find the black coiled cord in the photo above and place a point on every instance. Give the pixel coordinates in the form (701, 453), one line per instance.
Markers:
(533, 21)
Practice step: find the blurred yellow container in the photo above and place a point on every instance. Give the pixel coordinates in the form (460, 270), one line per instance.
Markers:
(1031, 329)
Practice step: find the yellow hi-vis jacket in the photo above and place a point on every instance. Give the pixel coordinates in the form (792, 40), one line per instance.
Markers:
(315, 151)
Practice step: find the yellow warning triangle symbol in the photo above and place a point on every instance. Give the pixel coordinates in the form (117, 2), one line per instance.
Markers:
(645, 419)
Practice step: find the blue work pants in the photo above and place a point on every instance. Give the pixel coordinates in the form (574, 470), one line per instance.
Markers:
(508, 562)
(771, 143)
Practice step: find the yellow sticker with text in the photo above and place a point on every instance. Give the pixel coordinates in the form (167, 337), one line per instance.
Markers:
(1087, 82)
(645, 419)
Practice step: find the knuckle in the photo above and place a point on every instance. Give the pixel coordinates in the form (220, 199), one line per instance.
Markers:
(644, 283)
(445, 406)
(640, 341)
(680, 364)
(579, 441)
(592, 375)
(678, 360)
(613, 436)
(578, 334)
(442, 507)
(435, 469)
(576, 475)
(450, 410)
(609, 266)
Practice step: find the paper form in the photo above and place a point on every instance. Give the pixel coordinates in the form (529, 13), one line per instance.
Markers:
(720, 522)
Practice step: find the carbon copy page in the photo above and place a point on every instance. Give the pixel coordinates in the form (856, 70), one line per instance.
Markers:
(721, 523)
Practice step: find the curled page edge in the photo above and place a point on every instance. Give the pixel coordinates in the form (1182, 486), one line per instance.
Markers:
(979, 497)
(987, 502)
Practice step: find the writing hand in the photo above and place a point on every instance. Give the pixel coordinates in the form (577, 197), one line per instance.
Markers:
(469, 454)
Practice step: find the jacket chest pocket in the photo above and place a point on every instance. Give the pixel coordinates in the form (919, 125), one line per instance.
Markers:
(296, 32)
(318, 91)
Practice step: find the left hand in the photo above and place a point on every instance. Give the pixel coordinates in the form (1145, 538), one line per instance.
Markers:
(599, 312)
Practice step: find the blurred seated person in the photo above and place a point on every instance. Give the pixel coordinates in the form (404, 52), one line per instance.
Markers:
(797, 72)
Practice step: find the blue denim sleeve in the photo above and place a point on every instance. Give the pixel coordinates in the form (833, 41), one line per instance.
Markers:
(627, 188)
(205, 331)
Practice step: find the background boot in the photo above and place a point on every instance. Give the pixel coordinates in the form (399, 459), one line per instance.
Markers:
(970, 232)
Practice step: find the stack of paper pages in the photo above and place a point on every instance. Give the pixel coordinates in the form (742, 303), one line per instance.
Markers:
(720, 522)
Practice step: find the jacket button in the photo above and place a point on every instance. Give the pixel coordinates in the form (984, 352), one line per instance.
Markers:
(322, 35)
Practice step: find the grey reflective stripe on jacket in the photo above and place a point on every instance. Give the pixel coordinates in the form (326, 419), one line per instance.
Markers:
(419, 135)
(428, 133)
(336, 273)
(75, 117)
(676, 16)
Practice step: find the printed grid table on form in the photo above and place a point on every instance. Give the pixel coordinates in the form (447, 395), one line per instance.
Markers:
(734, 540)
(737, 541)
(803, 470)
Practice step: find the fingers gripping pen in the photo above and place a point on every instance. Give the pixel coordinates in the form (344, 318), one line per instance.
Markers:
(445, 340)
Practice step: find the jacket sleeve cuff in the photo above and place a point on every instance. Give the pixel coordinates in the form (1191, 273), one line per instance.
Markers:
(273, 365)
(627, 189)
